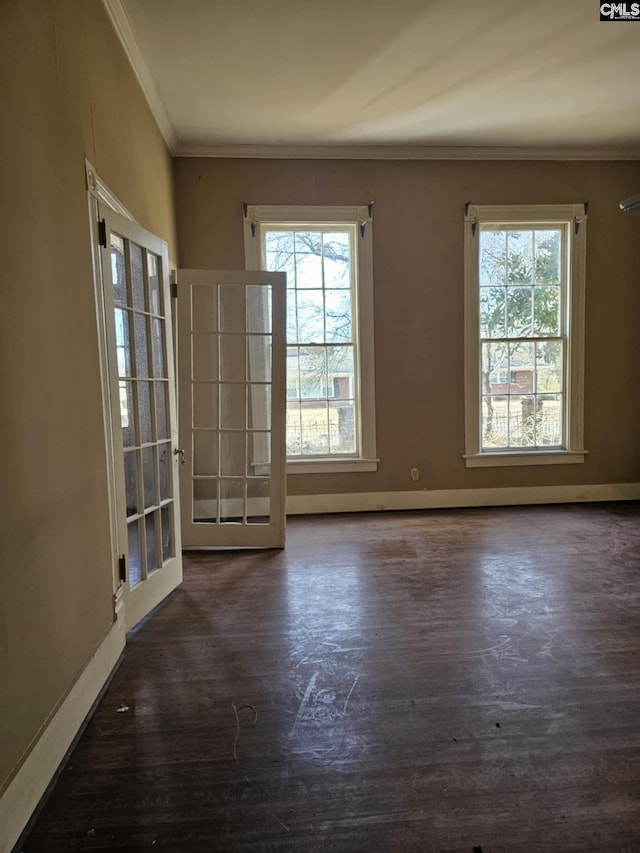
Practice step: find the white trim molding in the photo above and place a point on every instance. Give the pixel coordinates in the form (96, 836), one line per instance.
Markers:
(39, 766)
(331, 466)
(97, 188)
(233, 151)
(124, 30)
(509, 459)
(460, 498)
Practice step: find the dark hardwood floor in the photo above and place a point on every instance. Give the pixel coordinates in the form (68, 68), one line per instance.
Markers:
(437, 681)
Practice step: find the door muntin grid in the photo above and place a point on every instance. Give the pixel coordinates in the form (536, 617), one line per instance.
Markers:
(231, 390)
(140, 318)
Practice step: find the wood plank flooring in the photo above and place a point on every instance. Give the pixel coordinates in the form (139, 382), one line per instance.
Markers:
(440, 682)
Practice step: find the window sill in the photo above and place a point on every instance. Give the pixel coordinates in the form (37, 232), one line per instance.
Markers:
(537, 457)
(330, 466)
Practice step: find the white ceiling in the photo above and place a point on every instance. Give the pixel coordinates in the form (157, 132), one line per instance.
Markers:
(342, 74)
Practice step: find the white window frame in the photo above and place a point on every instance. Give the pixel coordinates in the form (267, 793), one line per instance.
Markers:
(574, 218)
(259, 218)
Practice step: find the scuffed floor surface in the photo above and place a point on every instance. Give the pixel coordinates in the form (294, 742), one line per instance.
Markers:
(437, 681)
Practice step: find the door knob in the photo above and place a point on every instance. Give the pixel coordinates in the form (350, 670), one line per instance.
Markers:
(179, 450)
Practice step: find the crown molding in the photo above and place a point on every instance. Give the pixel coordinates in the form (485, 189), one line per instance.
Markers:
(124, 30)
(125, 33)
(392, 152)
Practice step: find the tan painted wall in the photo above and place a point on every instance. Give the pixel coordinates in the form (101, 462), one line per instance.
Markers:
(418, 283)
(67, 93)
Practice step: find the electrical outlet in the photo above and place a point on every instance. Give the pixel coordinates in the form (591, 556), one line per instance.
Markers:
(415, 474)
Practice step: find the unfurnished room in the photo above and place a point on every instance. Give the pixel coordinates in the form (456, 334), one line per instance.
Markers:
(321, 471)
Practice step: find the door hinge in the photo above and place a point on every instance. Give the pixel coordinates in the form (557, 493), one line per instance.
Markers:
(174, 290)
(122, 564)
(102, 233)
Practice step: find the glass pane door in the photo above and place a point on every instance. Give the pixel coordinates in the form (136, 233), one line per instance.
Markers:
(137, 297)
(232, 353)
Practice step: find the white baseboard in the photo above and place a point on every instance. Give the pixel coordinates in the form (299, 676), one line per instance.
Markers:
(36, 771)
(452, 498)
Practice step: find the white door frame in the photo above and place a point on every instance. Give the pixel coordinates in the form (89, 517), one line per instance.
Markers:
(98, 192)
(138, 603)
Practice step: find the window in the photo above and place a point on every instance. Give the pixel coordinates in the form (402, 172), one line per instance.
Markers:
(326, 253)
(524, 334)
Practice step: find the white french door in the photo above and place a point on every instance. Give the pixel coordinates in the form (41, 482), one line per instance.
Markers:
(231, 364)
(135, 278)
